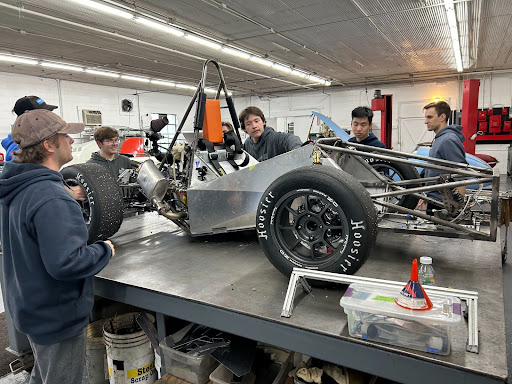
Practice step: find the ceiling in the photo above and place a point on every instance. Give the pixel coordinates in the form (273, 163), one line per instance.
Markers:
(349, 42)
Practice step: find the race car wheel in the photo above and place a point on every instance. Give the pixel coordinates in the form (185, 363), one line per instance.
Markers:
(398, 172)
(316, 217)
(103, 208)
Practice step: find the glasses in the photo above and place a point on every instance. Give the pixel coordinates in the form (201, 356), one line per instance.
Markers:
(111, 141)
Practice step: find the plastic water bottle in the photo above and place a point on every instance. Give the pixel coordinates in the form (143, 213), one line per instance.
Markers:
(426, 272)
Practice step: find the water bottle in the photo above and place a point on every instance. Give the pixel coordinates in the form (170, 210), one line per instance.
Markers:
(426, 272)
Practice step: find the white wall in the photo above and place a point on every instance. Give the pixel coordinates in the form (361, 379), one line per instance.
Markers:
(77, 96)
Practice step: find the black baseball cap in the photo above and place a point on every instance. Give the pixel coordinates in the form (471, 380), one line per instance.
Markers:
(28, 103)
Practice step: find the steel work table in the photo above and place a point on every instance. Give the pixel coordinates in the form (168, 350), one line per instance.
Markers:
(227, 283)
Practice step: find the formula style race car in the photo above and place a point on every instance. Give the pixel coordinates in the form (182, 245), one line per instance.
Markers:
(316, 207)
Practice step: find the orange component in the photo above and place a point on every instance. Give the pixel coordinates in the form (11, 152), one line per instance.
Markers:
(212, 125)
(133, 146)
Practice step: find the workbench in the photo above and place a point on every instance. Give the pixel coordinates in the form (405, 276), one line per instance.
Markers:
(226, 282)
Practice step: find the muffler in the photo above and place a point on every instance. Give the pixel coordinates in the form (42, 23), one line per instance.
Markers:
(155, 185)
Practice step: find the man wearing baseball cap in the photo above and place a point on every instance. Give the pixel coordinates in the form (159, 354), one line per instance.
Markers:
(48, 266)
(25, 103)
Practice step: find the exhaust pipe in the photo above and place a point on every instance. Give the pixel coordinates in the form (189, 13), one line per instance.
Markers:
(155, 185)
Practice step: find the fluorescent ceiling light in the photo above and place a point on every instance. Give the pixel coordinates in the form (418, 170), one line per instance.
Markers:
(160, 26)
(236, 52)
(162, 82)
(452, 24)
(102, 73)
(105, 8)
(200, 40)
(21, 60)
(135, 78)
(261, 61)
(299, 73)
(62, 66)
(186, 86)
(281, 67)
(316, 79)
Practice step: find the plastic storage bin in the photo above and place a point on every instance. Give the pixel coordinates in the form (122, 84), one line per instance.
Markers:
(195, 370)
(373, 315)
(275, 374)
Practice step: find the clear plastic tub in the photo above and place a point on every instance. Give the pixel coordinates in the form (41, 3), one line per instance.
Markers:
(373, 315)
(195, 370)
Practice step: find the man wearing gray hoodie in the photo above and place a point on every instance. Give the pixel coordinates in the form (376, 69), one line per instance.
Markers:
(447, 143)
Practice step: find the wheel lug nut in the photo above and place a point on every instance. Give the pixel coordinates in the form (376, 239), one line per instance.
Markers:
(299, 226)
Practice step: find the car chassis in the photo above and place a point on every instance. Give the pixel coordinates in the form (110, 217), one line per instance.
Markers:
(316, 207)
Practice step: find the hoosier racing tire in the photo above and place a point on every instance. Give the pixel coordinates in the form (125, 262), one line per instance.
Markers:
(316, 217)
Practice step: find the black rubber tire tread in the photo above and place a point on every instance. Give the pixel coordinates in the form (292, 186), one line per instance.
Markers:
(104, 198)
(349, 195)
(406, 172)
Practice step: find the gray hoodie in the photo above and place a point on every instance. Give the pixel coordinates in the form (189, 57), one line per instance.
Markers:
(116, 166)
(447, 145)
(271, 144)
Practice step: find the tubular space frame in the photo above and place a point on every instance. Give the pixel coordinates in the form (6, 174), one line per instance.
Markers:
(469, 297)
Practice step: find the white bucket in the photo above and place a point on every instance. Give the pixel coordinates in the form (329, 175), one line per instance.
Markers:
(95, 354)
(130, 356)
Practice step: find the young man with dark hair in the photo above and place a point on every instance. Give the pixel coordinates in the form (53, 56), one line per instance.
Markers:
(226, 126)
(264, 142)
(47, 265)
(361, 126)
(107, 139)
(447, 143)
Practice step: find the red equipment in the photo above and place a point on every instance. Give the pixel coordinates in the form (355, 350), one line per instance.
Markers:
(384, 104)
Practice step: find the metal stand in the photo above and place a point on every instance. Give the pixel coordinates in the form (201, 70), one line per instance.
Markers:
(299, 276)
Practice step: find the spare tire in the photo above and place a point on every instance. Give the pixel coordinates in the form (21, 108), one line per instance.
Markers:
(316, 217)
(103, 208)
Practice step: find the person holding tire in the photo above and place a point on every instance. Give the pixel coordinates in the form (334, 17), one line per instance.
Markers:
(47, 265)
(107, 139)
(361, 125)
(264, 142)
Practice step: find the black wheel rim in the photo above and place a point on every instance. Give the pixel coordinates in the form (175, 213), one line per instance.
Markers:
(392, 174)
(85, 206)
(311, 226)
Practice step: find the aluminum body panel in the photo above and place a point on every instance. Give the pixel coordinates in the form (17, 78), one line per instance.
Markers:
(226, 282)
(232, 199)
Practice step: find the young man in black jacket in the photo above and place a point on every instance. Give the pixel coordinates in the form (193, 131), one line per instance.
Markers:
(361, 126)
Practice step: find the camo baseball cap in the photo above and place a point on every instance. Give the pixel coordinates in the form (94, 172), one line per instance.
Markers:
(28, 103)
(34, 127)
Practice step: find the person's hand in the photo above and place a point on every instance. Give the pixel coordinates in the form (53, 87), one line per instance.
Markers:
(77, 192)
(422, 205)
(109, 243)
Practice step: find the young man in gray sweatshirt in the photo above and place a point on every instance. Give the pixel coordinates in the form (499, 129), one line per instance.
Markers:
(107, 139)
(447, 143)
(263, 142)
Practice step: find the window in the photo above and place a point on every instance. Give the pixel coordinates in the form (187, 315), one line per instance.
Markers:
(170, 129)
